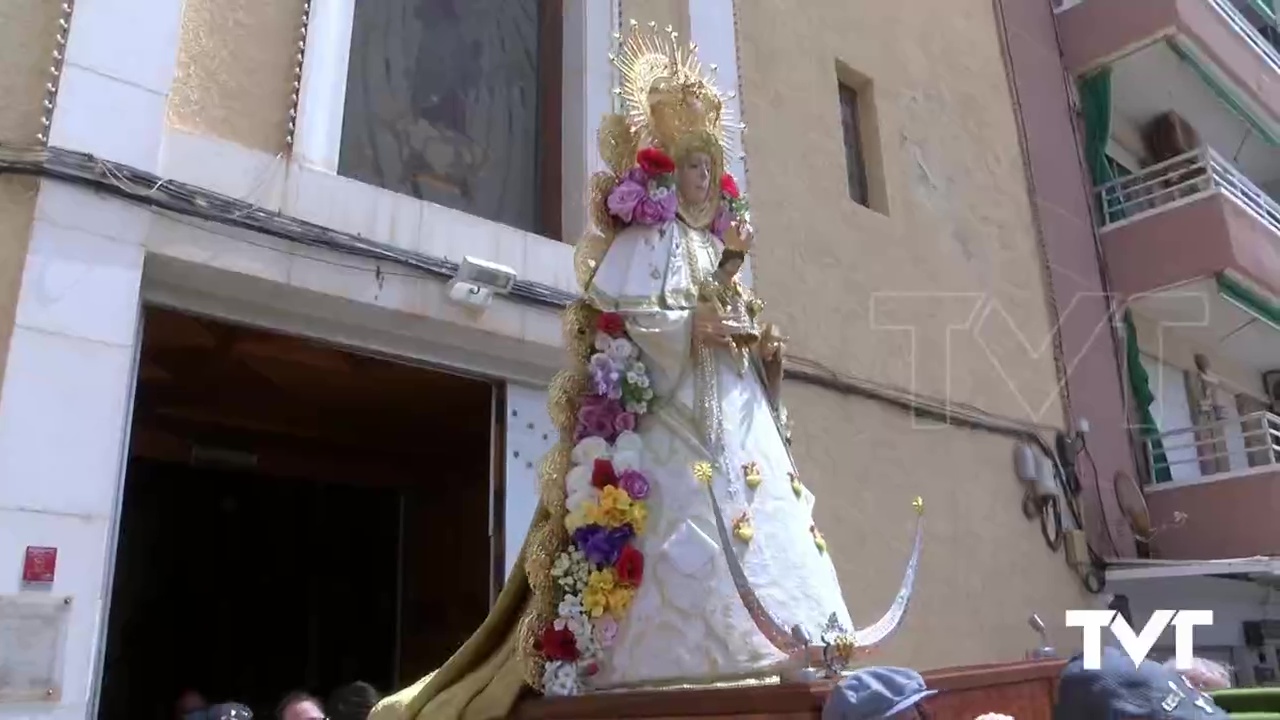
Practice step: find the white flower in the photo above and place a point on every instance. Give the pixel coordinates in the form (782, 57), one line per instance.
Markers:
(603, 341)
(620, 350)
(643, 381)
(560, 679)
(579, 479)
(627, 460)
(589, 450)
(570, 607)
(633, 378)
(640, 408)
(638, 368)
(628, 442)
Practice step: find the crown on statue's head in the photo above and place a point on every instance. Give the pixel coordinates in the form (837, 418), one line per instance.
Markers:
(668, 99)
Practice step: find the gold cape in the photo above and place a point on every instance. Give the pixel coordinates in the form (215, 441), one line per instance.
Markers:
(483, 680)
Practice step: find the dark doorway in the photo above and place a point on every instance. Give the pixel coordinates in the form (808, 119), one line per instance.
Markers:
(295, 516)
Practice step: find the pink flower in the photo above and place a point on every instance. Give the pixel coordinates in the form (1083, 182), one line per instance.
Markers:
(624, 422)
(597, 417)
(656, 208)
(623, 200)
(635, 484)
(606, 630)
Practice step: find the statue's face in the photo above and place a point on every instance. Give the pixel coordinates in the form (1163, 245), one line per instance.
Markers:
(693, 177)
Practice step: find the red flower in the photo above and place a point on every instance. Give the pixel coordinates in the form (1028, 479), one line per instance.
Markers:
(729, 186)
(611, 324)
(602, 473)
(655, 162)
(630, 566)
(558, 644)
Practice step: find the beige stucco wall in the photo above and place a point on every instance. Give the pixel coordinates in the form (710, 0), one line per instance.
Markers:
(28, 29)
(235, 69)
(955, 218)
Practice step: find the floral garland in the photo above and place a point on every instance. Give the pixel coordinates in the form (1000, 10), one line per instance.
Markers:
(596, 577)
(646, 195)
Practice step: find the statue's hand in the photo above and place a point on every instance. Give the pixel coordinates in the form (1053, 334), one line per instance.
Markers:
(740, 236)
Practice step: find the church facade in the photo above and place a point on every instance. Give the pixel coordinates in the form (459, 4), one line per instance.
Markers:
(924, 239)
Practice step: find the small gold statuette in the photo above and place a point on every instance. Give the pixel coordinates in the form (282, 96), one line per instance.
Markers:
(742, 527)
(796, 487)
(818, 541)
(751, 474)
(703, 472)
(839, 646)
(918, 504)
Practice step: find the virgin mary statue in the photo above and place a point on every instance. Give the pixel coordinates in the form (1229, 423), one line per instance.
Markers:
(674, 543)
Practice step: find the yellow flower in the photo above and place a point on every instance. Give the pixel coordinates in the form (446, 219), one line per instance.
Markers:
(751, 473)
(615, 506)
(702, 472)
(594, 601)
(743, 528)
(588, 513)
(637, 516)
(620, 599)
(602, 580)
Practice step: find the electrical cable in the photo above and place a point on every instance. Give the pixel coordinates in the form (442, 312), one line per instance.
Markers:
(133, 185)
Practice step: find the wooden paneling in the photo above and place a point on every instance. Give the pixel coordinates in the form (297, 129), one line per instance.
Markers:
(1023, 690)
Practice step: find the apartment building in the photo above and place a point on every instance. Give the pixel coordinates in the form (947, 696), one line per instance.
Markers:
(1181, 117)
(251, 439)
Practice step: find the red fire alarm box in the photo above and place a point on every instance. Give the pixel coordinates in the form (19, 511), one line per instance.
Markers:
(39, 565)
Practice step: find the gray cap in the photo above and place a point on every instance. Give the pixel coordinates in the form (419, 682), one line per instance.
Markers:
(1119, 691)
(875, 692)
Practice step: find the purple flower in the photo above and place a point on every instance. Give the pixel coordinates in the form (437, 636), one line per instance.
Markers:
(656, 208)
(605, 377)
(602, 545)
(721, 222)
(624, 422)
(597, 417)
(638, 176)
(624, 199)
(634, 483)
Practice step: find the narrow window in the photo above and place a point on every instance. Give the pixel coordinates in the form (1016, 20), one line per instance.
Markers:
(458, 102)
(855, 160)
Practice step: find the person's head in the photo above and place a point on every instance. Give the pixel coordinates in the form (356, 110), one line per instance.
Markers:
(1118, 690)
(1203, 675)
(300, 706)
(352, 702)
(229, 711)
(878, 693)
(189, 703)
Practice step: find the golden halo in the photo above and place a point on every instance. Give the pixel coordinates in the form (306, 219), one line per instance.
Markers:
(666, 94)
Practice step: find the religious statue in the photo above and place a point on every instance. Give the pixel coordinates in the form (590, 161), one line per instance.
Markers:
(674, 543)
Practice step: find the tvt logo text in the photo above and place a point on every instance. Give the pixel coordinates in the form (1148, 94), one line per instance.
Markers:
(1138, 645)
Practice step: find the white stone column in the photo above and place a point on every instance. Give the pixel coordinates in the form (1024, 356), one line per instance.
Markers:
(68, 387)
(589, 78)
(712, 27)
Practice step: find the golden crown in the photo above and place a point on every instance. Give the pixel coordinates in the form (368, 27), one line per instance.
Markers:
(666, 95)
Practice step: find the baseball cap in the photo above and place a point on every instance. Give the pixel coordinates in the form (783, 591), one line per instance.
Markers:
(1119, 691)
(875, 692)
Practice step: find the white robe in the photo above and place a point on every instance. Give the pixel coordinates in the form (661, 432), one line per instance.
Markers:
(687, 622)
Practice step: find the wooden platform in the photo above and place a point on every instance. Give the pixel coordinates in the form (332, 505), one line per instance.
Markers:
(1023, 690)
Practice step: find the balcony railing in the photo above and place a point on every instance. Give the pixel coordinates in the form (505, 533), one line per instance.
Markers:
(1218, 450)
(1247, 29)
(1180, 180)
